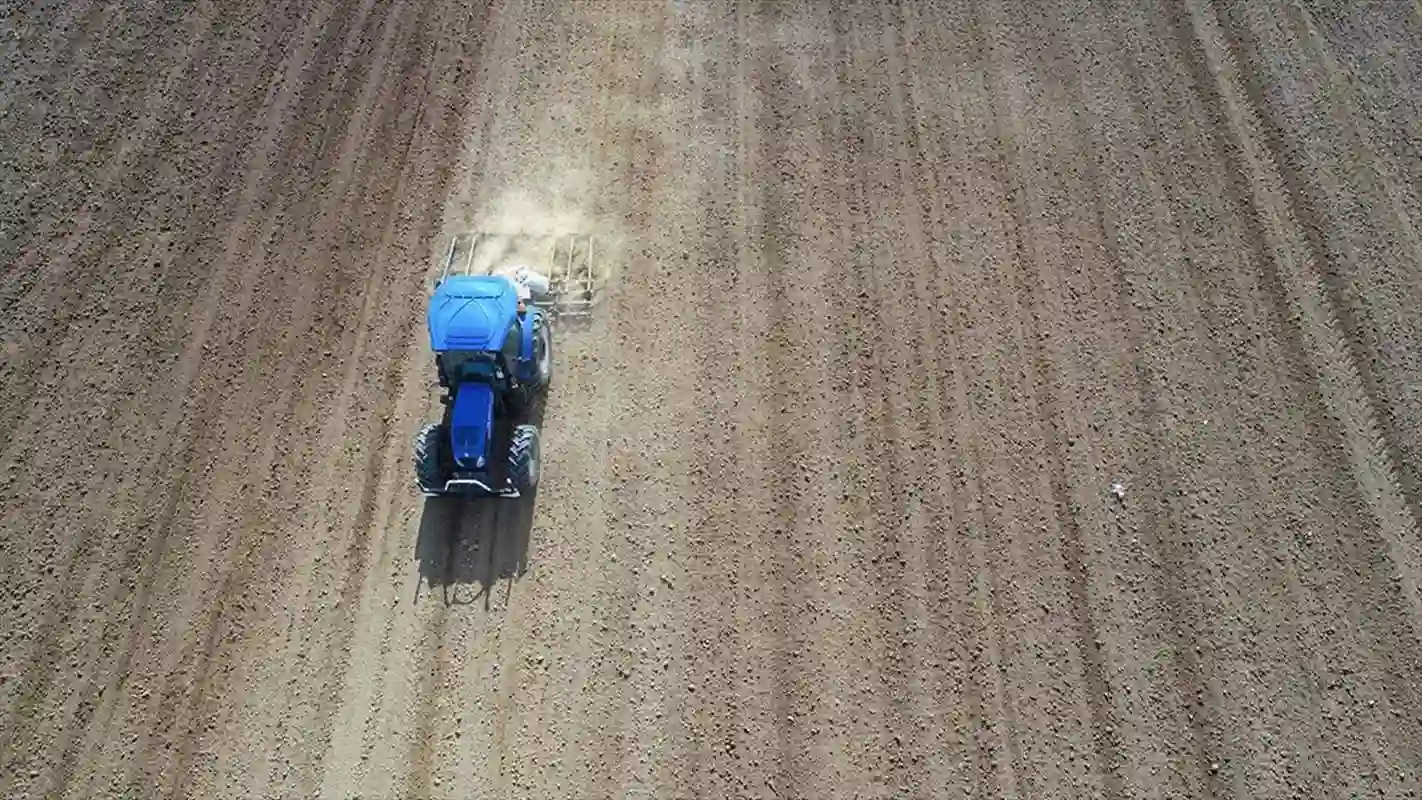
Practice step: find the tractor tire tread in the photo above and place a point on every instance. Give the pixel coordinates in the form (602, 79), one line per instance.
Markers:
(428, 473)
(524, 457)
(541, 328)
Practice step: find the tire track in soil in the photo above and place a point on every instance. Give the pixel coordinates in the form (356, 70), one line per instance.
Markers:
(1301, 290)
(792, 509)
(1130, 240)
(666, 205)
(894, 504)
(1083, 667)
(1018, 556)
(988, 554)
(896, 482)
(920, 698)
(23, 494)
(934, 141)
(1338, 561)
(1374, 50)
(1310, 325)
(372, 508)
(1166, 247)
(852, 285)
(670, 206)
(712, 636)
(214, 556)
(1254, 472)
(384, 131)
(186, 371)
(807, 269)
(305, 315)
(1236, 689)
(472, 518)
(1106, 744)
(51, 290)
(1130, 77)
(1041, 297)
(647, 311)
(1024, 99)
(349, 758)
(251, 618)
(769, 106)
(1361, 317)
(45, 217)
(896, 255)
(296, 724)
(970, 364)
(863, 570)
(721, 544)
(76, 68)
(47, 323)
(1216, 483)
(243, 306)
(1231, 684)
(739, 748)
(752, 743)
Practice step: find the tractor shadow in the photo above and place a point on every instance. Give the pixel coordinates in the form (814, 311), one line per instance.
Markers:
(466, 546)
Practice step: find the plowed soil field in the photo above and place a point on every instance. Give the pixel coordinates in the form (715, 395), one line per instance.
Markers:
(986, 399)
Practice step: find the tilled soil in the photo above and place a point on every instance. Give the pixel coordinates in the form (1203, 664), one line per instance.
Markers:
(987, 399)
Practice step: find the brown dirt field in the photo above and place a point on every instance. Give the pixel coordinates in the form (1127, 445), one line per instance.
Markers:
(898, 294)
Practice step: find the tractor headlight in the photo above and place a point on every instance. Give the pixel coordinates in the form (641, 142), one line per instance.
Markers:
(479, 462)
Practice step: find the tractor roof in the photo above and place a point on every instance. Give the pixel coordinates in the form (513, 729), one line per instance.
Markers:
(471, 312)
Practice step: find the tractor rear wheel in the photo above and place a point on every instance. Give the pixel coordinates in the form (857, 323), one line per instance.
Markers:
(524, 458)
(543, 352)
(429, 446)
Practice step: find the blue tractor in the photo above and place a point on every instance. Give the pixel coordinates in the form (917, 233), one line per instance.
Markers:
(494, 354)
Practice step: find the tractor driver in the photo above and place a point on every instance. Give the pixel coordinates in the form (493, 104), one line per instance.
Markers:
(522, 276)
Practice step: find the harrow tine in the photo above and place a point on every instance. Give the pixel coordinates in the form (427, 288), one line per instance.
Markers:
(575, 276)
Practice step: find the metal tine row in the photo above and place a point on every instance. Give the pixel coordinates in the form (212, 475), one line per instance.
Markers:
(569, 261)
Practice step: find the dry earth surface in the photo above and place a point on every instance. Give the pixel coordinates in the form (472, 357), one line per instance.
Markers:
(989, 399)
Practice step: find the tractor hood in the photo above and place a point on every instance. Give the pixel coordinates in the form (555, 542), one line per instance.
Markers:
(472, 425)
(471, 312)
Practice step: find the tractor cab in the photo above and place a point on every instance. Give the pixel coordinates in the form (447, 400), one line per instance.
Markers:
(481, 330)
(492, 355)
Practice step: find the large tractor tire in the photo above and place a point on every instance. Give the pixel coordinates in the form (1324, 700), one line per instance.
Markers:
(543, 353)
(525, 460)
(429, 467)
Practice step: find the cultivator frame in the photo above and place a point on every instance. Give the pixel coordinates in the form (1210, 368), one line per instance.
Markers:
(566, 259)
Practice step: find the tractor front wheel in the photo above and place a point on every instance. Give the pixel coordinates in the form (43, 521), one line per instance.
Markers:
(429, 445)
(524, 458)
